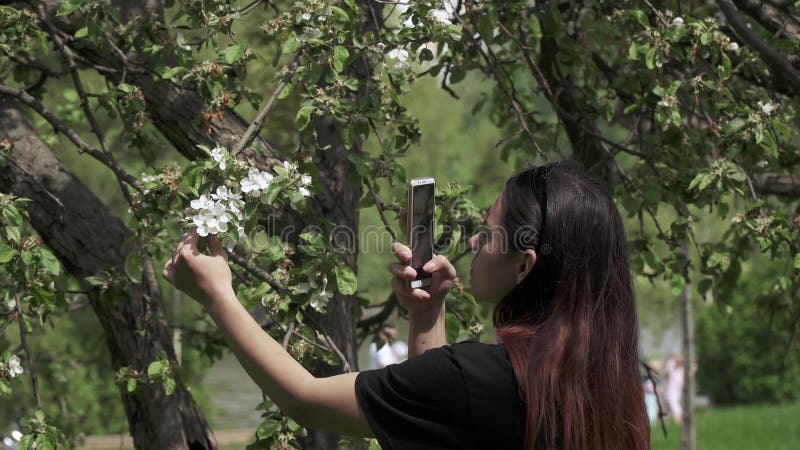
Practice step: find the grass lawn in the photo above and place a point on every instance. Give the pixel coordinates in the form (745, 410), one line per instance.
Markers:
(765, 427)
(762, 427)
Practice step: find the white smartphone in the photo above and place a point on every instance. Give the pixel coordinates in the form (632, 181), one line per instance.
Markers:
(421, 219)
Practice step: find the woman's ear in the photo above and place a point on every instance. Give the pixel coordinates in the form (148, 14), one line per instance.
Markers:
(527, 261)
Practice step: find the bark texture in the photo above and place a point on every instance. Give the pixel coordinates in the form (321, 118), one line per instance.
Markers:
(88, 240)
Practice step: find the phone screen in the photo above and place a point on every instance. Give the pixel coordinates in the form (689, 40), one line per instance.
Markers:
(421, 228)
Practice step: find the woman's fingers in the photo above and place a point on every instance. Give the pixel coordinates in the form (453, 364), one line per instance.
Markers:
(440, 264)
(402, 271)
(401, 288)
(216, 247)
(402, 252)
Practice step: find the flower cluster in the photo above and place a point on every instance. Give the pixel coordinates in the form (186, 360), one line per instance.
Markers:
(766, 108)
(399, 57)
(256, 182)
(12, 367)
(442, 16)
(217, 211)
(214, 211)
(319, 295)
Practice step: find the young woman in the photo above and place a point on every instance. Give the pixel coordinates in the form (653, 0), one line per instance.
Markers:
(553, 259)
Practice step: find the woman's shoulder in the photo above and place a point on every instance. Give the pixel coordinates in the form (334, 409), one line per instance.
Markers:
(477, 349)
(483, 363)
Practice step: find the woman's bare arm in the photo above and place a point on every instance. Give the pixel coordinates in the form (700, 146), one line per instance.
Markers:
(319, 403)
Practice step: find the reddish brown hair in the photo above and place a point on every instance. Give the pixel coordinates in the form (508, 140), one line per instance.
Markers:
(570, 328)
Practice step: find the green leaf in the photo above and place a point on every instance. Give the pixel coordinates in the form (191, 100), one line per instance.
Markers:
(303, 117)
(170, 72)
(633, 51)
(134, 265)
(131, 386)
(169, 385)
(290, 45)
(345, 279)
(734, 125)
(13, 234)
(45, 442)
(82, 32)
(126, 88)
(49, 261)
(287, 90)
(797, 261)
(425, 55)
(650, 58)
(155, 369)
(340, 15)
(340, 55)
(267, 429)
(234, 53)
(6, 253)
(67, 7)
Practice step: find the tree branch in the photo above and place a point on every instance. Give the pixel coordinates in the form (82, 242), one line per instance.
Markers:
(777, 184)
(23, 338)
(258, 122)
(72, 135)
(782, 67)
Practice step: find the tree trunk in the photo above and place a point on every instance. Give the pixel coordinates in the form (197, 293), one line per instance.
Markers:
(687, 326)
(87, 239)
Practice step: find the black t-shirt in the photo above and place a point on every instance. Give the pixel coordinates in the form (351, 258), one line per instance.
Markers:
(459, 396)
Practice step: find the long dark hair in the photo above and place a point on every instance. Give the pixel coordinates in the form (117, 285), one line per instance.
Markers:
(570, 327)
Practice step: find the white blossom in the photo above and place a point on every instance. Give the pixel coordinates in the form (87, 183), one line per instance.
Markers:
(318, 299)
(305, 180)
(733, 46)
(255, 182)
(11, 304)
(306, 16)
(399, 56)
(304, 191)
(289, 166)
(218, 154)
(409, 22)
(148, 178)
(223, 194)
(678, 21)
(202, 203)
(766, 108)
(182, 43)
(310, 33)
(235, 205)
(440, 16)
(401, 6)
(14, 366)
(212, 221)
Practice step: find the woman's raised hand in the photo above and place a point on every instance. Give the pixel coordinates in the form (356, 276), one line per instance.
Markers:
(420, 301)
(205, 278)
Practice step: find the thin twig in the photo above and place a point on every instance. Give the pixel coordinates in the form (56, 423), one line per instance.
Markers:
(287, 337)
(279, 286)
(379, 206)
(345, 364)
(258, 122)
(262, 274)
(23, 337)
(72, 135)
(652, 380)
(491, 65)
